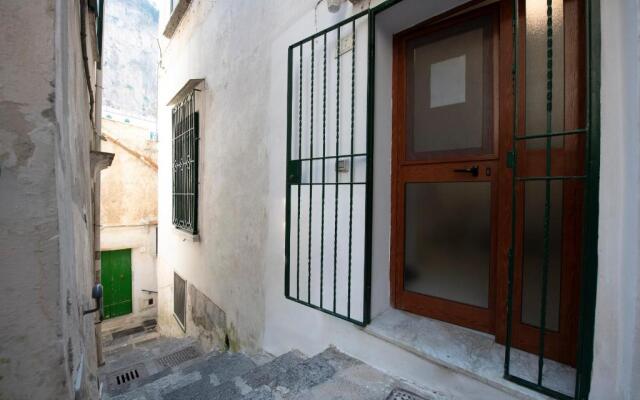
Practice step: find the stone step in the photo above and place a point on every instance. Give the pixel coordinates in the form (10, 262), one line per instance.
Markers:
(157, 365)
(215, 372)
(251, 383)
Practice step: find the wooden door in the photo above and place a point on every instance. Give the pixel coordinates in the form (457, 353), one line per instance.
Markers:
(445, 169)
(116, 281)
(556, 106)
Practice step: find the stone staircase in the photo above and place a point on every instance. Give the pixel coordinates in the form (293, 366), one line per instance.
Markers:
(146, 366)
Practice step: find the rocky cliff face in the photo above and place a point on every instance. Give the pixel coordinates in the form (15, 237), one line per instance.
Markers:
(131, 57)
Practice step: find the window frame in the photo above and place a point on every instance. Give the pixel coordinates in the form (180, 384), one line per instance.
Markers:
(185, 127)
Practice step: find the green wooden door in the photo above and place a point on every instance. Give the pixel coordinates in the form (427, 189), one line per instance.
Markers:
(116, 280)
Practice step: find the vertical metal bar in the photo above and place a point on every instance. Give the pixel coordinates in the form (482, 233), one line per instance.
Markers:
(335, 222)
(287, 245)
(351, 162)
(173, 166)
(516, 115)
(313, 49)
(324, 154)
(299, 186)
(547, 203)
(592, 165)
(366, 312)
(196, 165)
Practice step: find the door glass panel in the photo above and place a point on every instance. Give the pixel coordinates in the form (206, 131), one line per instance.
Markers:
(449, 92)
(448, 240)
(536, 72)
(535, 195)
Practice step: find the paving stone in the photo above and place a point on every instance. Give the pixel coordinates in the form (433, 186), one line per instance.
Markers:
(307, 374)
(262, 393)
(267, 373)
(224, 367)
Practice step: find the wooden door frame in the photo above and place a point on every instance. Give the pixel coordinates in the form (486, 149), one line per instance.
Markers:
(482, 319)
(561, 345)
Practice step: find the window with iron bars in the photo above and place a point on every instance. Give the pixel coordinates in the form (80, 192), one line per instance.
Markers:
(185, 164)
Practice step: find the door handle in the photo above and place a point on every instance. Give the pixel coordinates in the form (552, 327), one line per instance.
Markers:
(469, 170)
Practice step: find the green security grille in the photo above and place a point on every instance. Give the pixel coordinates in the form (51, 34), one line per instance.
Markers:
(185, 164)
(590, 179)
(329, 172)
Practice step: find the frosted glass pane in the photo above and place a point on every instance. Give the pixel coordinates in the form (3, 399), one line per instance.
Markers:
(449, 91)
(448, 240)
(534, 253)
(536, 71)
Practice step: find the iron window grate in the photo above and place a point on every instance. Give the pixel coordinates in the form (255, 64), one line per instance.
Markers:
(185, 125)
(180, 300)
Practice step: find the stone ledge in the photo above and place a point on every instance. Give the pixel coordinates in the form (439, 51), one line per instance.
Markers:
(474, 354)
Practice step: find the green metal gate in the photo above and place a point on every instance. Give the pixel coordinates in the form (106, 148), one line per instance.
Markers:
(116, 280)
(329, 169)
(590, 179)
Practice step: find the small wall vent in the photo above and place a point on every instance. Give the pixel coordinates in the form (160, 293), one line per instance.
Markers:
(180, 300)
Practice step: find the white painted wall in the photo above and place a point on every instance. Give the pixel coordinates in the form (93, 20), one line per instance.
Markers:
(617, 338)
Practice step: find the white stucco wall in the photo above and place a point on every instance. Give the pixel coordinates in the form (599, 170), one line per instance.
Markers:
(47, 347)
(616, 370)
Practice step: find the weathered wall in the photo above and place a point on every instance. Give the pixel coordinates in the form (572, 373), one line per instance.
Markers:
(47, 347)
(129, 186)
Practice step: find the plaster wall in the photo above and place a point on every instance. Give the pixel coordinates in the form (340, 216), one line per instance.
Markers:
(228, 43)
(47, 347)
(616, 369)
(129, 185)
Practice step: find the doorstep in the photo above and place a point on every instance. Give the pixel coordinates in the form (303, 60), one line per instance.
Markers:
(469, 352)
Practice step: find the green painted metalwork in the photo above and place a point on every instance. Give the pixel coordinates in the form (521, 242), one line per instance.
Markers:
(590, 249)
(303, 57)
(116, 280)
(587, 293)
(185, 124)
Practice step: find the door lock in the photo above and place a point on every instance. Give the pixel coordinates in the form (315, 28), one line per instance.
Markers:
(469, 170)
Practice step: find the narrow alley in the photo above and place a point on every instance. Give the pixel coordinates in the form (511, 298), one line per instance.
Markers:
(319, 199)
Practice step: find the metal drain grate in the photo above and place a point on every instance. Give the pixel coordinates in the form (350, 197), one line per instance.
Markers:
(400, 394)
(127, 332)
(127, 375)
(177, 358)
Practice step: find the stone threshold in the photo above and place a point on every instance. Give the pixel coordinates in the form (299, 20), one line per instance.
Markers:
(469, 352)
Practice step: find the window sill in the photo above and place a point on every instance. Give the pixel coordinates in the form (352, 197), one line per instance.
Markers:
(186, 236)
(175, 18)
(469, 352)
